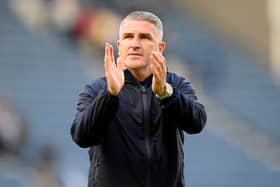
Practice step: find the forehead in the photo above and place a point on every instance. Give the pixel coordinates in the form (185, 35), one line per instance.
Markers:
(137, 26)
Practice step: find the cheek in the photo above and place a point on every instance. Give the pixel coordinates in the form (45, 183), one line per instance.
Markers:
(149, 50)
(122, 49)
(120, 52)
(152, 47)
(122, 55)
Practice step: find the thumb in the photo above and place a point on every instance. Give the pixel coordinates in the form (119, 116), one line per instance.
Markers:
(120, 64)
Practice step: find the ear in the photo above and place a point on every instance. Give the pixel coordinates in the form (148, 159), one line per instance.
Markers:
(118, 47)
(118, 43)
(161, 46)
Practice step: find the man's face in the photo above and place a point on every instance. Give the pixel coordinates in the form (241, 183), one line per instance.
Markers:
(136, 42)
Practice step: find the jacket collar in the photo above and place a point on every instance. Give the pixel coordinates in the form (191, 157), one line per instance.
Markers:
(129, 78)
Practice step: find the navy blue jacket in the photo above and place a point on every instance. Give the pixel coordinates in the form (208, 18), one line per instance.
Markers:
(135, 139)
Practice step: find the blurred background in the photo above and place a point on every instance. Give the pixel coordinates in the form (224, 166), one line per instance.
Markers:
(229, 50)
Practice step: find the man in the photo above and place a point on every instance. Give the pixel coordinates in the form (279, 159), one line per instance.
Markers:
(133, 118)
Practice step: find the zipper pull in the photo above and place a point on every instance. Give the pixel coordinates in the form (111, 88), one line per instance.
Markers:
(143, 89)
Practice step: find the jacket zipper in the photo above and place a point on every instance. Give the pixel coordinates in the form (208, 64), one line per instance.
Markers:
(146, 115)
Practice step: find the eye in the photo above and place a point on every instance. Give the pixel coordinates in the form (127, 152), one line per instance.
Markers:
(127, 36)
(146, 36)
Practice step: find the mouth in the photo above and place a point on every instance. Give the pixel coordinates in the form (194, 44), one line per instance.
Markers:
(135, 54)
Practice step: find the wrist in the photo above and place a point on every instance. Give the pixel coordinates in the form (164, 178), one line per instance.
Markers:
(113, 92)
(168, 91)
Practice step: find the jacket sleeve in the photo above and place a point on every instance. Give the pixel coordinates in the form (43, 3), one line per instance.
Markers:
(183, 107)
(95, 108)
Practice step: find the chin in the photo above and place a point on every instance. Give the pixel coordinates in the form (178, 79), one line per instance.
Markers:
(134, 64)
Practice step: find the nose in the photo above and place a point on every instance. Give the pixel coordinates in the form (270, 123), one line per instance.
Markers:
(135, 43)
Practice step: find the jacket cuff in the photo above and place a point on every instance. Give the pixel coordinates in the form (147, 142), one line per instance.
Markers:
(167, 102)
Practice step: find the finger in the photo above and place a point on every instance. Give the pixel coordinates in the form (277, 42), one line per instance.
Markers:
(109, 65)
(158, 57)
(159, 61)
(107, 47)
(111, 53)
(106, 55)
(154, 69)
(120, 64)
(107, 51)
(156, 72)
(158, 67)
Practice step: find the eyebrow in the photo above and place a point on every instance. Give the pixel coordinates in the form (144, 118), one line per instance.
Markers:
(126, 34)
(147, 35)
